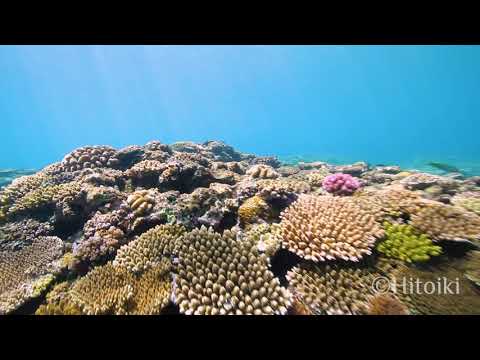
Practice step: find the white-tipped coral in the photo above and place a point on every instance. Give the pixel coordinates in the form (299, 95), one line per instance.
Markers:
(323, 228)
(220, 274)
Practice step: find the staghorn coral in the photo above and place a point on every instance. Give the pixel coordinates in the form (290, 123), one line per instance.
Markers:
(323, 228)
(340, 184)
(25, 273)
(116, 291)
(333, 289)
(149, 248)
(262, 172)
(222, 274)
(444, 222)
(268, 238)
(404, 243)
(252, 209)
(89, 157)
(386, 304)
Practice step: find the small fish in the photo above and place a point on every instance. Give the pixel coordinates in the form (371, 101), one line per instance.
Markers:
(444, 167)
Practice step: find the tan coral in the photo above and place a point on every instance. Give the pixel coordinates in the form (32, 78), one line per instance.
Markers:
(58, 302)
(146, 168)
(444, 222)
(262, 172)
(89, 157)
(386, 304)
(224, 274)
(281, 189)
(141, 202)
(252, 209)
(149, 248)
(333, 289)
(323, 228)
(25, 273)
(117, 291)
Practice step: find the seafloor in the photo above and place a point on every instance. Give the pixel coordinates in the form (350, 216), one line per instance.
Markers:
(203, 229)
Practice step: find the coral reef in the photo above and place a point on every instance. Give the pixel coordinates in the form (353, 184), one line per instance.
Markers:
(403, 243)
(200, 228)
(340, 184)
(221, 274)
(323, 228)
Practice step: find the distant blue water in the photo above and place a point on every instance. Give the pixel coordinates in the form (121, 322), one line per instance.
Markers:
(402, 105)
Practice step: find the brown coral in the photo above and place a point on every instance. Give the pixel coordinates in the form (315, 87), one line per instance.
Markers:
(323, 228)
(332, 289)
(89, 157)
(114, 290)
(386, 304)
(23, 272)
(149, 248)
(141, 202)
(58, 302)
(252, 209)
(444, 222)
(222, 274)
(262, 172)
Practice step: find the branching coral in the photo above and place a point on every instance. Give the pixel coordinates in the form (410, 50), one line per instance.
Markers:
(252, 209)
(323, 228)
(149, 248)
(315, 178)
(26, 272)
(223, 274)
(14, 235)
(332, 289)
(58, 302)
(282, 189)
(340, 184)
(262, 172)
(404, 243)
(444, 222)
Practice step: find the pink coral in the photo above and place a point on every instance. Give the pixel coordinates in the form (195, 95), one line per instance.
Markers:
(340, 184)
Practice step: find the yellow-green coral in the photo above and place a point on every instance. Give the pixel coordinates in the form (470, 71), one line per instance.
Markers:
(42, 284)
(404, 243)
(58, 302)
(268, 237)
(469, 203)
(252, 209)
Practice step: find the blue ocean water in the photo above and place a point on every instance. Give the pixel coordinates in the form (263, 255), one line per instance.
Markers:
(405, 105)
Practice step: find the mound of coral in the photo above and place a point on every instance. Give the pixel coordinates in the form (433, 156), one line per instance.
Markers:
(193, 228)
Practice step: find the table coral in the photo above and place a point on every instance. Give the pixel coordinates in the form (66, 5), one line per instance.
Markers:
(404, 243)
(222, 274)
(323, 228)
(24, 271)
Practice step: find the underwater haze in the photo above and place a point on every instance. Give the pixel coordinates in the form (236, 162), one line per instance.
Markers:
(402, 105)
